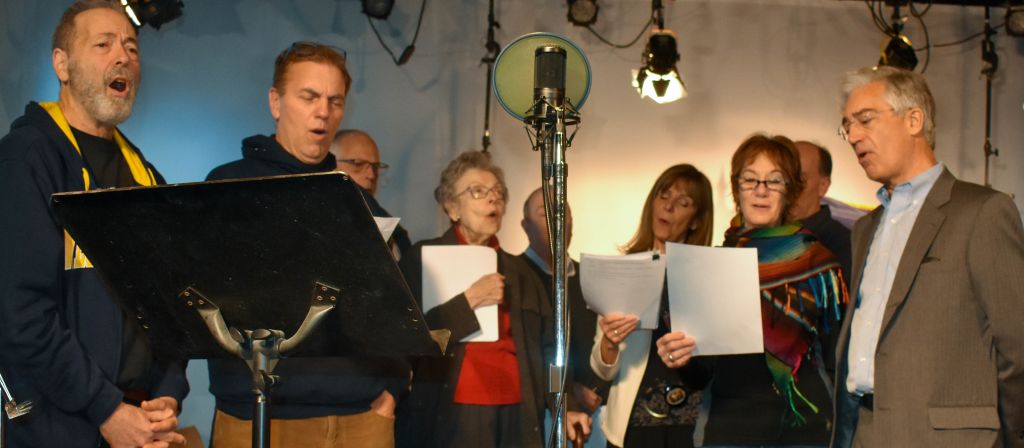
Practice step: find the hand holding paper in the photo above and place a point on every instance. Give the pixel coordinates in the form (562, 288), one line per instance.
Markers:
(628, 284)
(714, 296)
(676, 349)
(451, 270)
(617, 326)
(488, 290)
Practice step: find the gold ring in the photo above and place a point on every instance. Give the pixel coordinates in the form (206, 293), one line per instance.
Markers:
(671, 358)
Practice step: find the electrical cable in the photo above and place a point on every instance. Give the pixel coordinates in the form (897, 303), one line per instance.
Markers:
(927, 38)
(968, 39)
(631, 43)
(876, 17)
(407, 53)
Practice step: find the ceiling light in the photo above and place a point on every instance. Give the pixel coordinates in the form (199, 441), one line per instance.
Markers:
(152, 12)
(898, 53)
(659, 78)
(378, 9)
(583, 12)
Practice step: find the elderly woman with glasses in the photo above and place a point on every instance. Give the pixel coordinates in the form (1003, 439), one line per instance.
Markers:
(654, 399)
(480, 394)
(781, 397)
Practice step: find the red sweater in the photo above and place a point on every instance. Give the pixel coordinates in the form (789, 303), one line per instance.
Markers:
(490, 370)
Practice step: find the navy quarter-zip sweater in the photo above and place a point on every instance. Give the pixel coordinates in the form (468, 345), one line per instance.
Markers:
(61, 333)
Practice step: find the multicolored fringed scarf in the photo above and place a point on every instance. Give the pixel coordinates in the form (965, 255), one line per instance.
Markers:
(802, 292)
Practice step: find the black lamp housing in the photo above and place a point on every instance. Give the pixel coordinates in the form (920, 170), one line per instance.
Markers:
(661, 54)
(155, 13)
(378, 9)
(899, 53)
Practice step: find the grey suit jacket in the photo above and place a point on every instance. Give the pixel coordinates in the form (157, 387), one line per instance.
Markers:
(949, 366)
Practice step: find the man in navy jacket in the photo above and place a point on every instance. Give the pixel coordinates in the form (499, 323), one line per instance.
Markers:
(328, 401)
(64, 343)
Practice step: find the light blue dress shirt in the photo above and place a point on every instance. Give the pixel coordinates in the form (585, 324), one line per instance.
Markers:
(900, 212)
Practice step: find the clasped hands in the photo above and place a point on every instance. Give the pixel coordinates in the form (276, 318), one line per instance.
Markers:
(153, 424)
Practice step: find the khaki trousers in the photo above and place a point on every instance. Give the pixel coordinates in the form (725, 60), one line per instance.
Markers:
(366, 430)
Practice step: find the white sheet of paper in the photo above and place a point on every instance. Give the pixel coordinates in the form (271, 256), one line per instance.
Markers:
(629, 284)
(450, 270)
(714, 296)
(386, 226)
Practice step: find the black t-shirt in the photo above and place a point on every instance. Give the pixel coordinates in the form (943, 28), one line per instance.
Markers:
(109, 169)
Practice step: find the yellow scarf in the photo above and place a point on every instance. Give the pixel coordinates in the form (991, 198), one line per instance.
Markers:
(73, 257)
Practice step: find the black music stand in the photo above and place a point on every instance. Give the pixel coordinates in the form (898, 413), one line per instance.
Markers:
(223, 269)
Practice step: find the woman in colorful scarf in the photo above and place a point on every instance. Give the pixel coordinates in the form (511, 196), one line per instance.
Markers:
(480, 394)
(781, 398)
(654, 400)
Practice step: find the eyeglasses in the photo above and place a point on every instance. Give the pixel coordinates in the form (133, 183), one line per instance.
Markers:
(774, 184)
(863, 118)
(481, 192)
(360, 164)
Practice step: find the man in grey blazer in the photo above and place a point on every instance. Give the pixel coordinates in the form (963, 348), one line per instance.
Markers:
(932, 353)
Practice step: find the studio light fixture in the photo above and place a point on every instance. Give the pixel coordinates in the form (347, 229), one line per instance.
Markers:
(658, 78)
(898, 52)
(1015, 21)
(155, 13)
(583, 12)
(378, 9)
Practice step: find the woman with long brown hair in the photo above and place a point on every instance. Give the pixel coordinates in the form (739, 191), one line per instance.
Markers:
(653, 400)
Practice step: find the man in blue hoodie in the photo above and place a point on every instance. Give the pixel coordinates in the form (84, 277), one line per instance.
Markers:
(65, 344)
(320, 401)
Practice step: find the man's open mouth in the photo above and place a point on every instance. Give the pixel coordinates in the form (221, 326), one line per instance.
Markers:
(119, 84)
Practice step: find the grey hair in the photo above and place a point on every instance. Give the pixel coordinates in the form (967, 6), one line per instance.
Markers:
(904, 89)
(464, 162)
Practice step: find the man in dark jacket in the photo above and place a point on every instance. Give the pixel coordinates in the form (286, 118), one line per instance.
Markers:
(320, 401)
(357, 155)
(816, 169)
(65, 344)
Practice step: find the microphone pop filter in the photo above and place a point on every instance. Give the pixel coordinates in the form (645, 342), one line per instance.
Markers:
(513, 78)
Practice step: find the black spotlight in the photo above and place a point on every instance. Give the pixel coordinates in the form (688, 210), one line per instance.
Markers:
(899, 53)
(1015, 21)
(583, 12)
(378, 9)
(152, 12)
(658, 79)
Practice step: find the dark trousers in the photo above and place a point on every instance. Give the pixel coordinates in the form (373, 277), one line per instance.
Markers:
(481, 426)
(657, 437)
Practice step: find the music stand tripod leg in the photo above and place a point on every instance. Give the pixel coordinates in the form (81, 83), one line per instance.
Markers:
(261, 349)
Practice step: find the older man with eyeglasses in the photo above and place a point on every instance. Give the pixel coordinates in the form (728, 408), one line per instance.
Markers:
(932, 351)
(357, 155)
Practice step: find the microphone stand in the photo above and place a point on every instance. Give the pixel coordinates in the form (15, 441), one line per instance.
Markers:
(549, 122)
(492, 55)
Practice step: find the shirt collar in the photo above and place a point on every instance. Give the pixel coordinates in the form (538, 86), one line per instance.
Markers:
(535, 258)
(919, 186)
